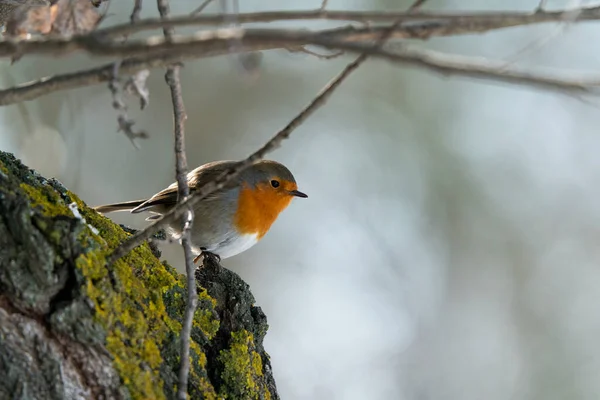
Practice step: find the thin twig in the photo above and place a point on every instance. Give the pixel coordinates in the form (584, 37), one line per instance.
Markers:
(416, 5)
(201, 8)
(541, 6)
(559, 29)
(135, 13)
(481, 68)
(174, 82)
(247, 61)
(201, 192)
(304, 50)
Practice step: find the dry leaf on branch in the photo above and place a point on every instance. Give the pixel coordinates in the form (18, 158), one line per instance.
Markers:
(28, 16)
(8, 7)
(126, 126)
(62, 17)
(75, 17)
(136, 85)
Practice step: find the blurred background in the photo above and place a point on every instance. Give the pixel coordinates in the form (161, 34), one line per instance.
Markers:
(449, 245)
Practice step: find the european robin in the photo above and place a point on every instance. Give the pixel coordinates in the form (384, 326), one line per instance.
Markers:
(232, 219)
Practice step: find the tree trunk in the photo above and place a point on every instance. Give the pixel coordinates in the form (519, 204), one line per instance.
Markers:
(73, 328)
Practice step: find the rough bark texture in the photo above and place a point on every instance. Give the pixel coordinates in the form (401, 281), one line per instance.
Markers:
(71, 328)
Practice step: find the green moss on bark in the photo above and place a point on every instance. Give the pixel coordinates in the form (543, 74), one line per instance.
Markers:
(134, 308)
(242, 374)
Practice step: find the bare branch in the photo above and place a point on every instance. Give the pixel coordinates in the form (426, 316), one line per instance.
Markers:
(323, 5)
(450, 21)
(201, 8)
(541, 6)
(416, 5)
(172, 78)
(568, 19)
(41, 87)
(210, 47)
(210, 41)
(304, 50)
(216, 42)
(135, 13)
(492, 70)
(201, 192)
(248, 62)
(440, 62)
(183, 191)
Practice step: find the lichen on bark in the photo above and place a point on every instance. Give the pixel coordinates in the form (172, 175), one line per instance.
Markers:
(73, 328)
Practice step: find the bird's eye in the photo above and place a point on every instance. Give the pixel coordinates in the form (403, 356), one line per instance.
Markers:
(275, 183)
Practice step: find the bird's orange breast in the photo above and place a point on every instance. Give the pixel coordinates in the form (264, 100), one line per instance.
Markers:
(258, 208)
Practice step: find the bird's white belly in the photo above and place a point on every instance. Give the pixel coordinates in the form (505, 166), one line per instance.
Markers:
(235, 245)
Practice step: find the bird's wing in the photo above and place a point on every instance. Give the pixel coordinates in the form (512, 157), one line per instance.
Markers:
(196, 178)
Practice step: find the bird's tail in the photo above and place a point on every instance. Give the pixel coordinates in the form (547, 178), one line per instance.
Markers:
(124, 206)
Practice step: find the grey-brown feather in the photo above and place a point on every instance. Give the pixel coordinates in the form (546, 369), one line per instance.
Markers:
(262, 171)
(123, 206)
(162, 201)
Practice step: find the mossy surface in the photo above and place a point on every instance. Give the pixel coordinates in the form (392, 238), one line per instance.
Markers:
(242, 360)
(133, 308)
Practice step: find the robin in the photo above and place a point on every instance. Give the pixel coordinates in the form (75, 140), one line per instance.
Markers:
(232, 219)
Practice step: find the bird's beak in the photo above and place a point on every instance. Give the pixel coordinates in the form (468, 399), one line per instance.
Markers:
(298, 193)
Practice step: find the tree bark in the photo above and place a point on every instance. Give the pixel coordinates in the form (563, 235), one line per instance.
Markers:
(73, 328)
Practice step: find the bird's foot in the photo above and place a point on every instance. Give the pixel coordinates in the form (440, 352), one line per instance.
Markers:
(208, 254)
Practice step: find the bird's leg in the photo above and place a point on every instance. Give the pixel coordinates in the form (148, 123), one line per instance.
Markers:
(208, 254)
(212, 255)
